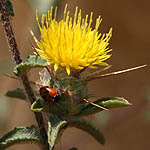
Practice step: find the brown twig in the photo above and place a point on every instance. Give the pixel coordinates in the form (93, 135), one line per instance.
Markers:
(9, 35)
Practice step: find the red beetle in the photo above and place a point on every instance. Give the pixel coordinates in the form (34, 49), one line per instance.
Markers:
(48, 93)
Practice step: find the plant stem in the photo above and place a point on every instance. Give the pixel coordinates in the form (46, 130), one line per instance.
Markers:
(9, 35)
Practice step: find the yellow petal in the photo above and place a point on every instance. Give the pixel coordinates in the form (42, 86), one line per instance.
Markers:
(68, 70)
(72, 43)
(55, 67)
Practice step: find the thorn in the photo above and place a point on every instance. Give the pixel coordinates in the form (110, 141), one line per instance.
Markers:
(9, 76)
(98, 71)
(115, 73)
(32, 34)
(16, 78)
(101, 107)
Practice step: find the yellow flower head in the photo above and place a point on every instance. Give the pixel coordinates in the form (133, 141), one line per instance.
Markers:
(72, 43)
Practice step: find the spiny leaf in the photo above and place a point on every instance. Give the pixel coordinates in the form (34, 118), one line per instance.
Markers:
(31, 62)
(21, 135)
(17, 93)
(88, 127)
(107, 102)
(55, 126)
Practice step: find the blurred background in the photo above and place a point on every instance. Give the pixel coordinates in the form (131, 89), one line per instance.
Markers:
(125, 128)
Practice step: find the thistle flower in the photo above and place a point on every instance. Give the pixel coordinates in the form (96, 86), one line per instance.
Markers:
(72, 43)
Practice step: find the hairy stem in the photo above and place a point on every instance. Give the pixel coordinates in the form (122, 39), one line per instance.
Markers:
(9, 35)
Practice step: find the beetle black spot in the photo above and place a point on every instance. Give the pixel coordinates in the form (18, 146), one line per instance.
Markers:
(44, 96)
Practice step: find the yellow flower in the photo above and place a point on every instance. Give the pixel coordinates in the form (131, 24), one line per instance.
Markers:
(72, 43)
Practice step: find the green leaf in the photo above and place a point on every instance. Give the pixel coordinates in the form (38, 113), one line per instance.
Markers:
(32, 61)
(88, 127)
(21, 135)
(55, 126)
(107, 102)
(17, 93)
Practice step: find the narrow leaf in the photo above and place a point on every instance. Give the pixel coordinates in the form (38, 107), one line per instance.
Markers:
(17, 93)
(107, 102)
(32, 61)
(55, 126)
(21, 135)
(88, 127)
